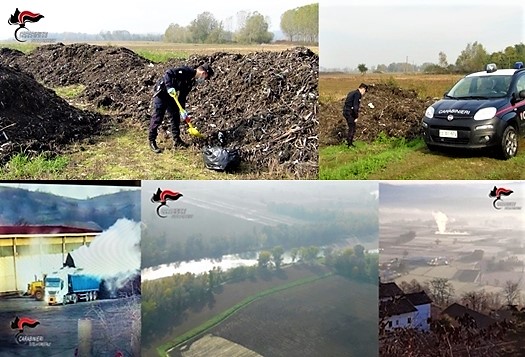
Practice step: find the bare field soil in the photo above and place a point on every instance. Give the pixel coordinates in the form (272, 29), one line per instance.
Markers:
(329, 317)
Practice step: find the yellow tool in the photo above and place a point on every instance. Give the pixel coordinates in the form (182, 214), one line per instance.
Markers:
(193, 131)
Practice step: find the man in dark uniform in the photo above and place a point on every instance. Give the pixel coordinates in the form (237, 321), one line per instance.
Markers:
(351, 110)
(178, 82)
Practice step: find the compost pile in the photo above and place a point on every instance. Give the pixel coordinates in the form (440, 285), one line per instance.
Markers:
(397, 113)
(33, 119)
(265, 103)
(115, 78)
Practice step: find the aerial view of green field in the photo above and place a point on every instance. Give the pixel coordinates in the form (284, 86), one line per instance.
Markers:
(276, 278)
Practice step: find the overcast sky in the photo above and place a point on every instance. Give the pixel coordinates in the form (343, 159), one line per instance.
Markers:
(418, 199)
(72, 191)
(381, 32)
(151, 16)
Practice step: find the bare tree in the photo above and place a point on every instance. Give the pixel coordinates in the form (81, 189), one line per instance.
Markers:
(412, 287)
(511, 292)
(441, 290)
(443, 59)
(475, 300)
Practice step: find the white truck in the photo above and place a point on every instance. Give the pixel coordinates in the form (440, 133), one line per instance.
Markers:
(64, 286)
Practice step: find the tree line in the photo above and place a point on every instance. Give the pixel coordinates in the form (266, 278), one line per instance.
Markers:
(163, 249)
(472, 59)
(442, 293)
(299, 25)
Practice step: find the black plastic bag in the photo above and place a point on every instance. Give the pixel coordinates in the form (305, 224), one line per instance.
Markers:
(221, 159)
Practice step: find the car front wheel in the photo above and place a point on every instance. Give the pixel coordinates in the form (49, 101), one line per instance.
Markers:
(509, 143)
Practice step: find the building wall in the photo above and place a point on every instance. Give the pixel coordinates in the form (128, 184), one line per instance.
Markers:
(22, 257)
(400, 321)
(421, 317)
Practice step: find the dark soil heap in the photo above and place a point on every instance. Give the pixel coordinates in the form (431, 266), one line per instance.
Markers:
(397, 113)
(34, 119)
(264, 102)
(114, 77)
(266, 105)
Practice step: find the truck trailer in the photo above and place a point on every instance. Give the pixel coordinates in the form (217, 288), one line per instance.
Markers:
(63, 287)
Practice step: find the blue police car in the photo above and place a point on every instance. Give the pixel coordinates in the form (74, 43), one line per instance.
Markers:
(483, 109)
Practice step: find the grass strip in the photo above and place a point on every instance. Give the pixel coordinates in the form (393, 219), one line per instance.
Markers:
(340, 163)
(195, 332)
(21, 166)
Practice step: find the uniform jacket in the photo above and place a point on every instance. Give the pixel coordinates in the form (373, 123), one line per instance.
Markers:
(179, 78)
(351, 106)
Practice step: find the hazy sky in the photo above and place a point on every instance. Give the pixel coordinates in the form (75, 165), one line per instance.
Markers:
(381, 32)
(417, 200)
(152, 16)
(72, 191)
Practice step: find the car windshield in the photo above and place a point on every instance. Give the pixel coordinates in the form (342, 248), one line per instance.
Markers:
(481, 87)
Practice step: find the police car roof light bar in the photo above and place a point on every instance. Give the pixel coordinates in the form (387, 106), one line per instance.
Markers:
(491, 67)
(518, 65)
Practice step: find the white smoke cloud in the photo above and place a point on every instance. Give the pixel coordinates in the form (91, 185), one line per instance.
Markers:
(441, 221)
(115, 252)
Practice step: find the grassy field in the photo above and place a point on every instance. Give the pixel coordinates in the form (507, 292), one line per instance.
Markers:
(123, 152)
(397, 159)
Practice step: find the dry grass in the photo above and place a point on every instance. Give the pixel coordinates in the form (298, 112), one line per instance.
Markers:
(335, 86)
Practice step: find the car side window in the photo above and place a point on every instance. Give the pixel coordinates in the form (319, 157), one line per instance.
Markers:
(520, 84)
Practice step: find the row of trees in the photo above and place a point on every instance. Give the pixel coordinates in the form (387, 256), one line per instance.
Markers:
(354, 263)
(206, 28)
(472, 59)
(274, 257)
(299, 25)
(442, 293)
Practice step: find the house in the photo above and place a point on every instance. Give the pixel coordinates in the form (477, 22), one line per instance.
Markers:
(400, 310)
(457, 311)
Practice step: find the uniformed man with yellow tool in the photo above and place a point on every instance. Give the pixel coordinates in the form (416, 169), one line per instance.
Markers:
(170, 95)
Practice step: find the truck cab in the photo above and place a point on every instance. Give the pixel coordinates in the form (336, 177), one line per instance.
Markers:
(483, 109)
(55, 289)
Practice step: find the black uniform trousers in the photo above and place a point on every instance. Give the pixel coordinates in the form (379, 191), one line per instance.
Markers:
(351, 129)
(163, 103)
